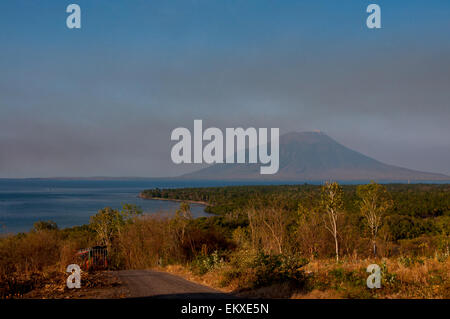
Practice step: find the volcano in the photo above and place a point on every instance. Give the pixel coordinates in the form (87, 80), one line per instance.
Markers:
(314, 156)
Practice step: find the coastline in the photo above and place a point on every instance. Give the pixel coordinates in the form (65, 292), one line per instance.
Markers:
(174, 200)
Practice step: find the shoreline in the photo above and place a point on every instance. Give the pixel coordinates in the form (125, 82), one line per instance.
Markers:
(175, 200)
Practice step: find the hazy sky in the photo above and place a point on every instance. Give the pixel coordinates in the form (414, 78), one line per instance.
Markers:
(102, 101)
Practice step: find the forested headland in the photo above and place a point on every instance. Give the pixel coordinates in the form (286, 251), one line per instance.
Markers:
(417, 209)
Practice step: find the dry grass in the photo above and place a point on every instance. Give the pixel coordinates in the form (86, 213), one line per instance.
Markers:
(97, 285)
(425, 278)
(210, 279)
(318, 294)
(33, 260)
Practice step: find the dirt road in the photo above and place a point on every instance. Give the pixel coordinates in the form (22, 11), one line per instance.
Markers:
(156, 284)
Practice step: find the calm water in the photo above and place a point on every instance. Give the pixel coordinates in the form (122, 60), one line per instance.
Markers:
(72, 202)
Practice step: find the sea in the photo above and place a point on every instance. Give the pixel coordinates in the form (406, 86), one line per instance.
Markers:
(72, 202)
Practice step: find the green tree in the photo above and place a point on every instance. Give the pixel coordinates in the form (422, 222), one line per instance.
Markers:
(374, 201)
(184, 211)
(181, 221)
(108, 222)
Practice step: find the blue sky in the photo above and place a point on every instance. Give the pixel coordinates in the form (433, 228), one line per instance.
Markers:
(103, 100)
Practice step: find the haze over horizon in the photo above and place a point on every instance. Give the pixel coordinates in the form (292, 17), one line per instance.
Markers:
(103, 100)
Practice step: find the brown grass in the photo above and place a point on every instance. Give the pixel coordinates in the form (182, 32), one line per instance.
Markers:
(428, 279)
(28, 261)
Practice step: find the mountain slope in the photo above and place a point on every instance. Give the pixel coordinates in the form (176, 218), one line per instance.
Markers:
(311, 156)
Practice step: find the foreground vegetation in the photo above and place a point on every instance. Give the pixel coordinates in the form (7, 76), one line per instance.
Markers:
(264, 241)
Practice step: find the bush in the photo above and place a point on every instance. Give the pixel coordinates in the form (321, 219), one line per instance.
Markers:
(270, 269)
(205, 263)
(409, 261)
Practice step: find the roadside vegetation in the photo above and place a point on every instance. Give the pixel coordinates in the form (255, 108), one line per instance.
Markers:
(300, 241)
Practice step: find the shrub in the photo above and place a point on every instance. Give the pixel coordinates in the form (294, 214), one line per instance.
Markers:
(205, 263)
(270, 269)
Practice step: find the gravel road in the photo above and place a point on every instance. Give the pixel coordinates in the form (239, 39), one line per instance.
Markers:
(156, 284)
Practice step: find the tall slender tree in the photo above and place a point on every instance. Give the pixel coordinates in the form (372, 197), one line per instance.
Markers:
(332, 204)
(374, 201)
